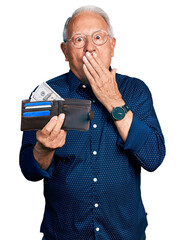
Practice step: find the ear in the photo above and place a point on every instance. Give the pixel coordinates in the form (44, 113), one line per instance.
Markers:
(63, 46)
(113, 43)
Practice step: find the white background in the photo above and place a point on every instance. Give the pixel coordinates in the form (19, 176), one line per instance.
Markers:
(150, 46)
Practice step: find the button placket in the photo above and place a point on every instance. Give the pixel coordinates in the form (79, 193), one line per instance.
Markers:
(95, 180)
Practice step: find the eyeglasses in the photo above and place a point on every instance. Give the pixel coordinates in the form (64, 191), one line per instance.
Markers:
(79, 40)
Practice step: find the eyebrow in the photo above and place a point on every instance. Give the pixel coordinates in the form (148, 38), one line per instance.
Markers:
(89, 34)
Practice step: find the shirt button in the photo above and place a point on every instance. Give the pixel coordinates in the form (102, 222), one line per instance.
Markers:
(97, 229)
(96, 205)
(94, 153)
(83, 86)
(95, 179)
(94, 125)
(93, 101)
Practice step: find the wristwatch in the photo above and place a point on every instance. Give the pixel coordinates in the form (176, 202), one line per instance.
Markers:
(119, 113)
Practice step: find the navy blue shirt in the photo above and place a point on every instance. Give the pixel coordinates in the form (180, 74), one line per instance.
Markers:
(92, 187)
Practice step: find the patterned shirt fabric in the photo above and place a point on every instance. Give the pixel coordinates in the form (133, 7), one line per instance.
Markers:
(92, 187)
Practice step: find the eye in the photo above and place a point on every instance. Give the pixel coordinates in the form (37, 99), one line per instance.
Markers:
(79, 39)
(98, 37)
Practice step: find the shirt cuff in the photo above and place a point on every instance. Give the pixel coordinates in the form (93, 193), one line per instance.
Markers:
(34, 168)
(138, 135)
(44, 173)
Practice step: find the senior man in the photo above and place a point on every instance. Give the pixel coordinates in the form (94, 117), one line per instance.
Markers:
(92, 179)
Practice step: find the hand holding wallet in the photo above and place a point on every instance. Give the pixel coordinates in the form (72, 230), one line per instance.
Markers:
(35, 115)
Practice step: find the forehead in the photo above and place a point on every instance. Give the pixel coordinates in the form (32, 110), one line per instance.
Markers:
(87, 23)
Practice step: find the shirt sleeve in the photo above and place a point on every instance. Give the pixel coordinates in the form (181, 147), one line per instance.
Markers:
(145, 140)
(29, 166)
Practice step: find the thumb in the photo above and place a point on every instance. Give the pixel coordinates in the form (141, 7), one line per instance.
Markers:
(113, 71)
(61, 118)
(60, 121)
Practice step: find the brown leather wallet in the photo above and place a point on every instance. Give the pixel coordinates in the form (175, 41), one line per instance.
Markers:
(35, 115)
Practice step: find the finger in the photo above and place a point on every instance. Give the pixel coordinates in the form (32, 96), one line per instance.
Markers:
(58, 140)
(57, 128)
(60, 121)
(94, 64)
(99, 62)
(62, 138)
(90, 68)
(49, 126)
(113, 71)
(88, 75)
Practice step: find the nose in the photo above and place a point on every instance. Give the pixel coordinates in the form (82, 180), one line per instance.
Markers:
(89, 46)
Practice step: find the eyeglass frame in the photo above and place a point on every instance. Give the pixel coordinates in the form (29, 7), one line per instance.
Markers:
(85, 35)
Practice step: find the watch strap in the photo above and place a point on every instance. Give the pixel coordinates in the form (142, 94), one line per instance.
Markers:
(126, 108)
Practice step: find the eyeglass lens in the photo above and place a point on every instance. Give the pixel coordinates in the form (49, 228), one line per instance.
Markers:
(99, 38)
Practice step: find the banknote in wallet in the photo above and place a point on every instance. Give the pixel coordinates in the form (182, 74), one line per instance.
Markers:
(44, 92)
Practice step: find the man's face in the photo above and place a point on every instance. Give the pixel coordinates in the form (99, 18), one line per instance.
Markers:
(87, 23)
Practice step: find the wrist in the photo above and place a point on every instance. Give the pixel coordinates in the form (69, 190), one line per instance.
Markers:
(40, 148)
(43, 155)
(115, 103)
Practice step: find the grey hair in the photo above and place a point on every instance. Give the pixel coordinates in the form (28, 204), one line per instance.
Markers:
(89, 8)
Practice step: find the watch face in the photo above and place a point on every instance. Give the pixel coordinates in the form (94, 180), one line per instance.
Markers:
(118, 113)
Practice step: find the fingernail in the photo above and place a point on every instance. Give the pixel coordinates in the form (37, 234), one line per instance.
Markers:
(62, 115)
(55, 117)
(84, 58)
(88, 54)
(94, 54)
